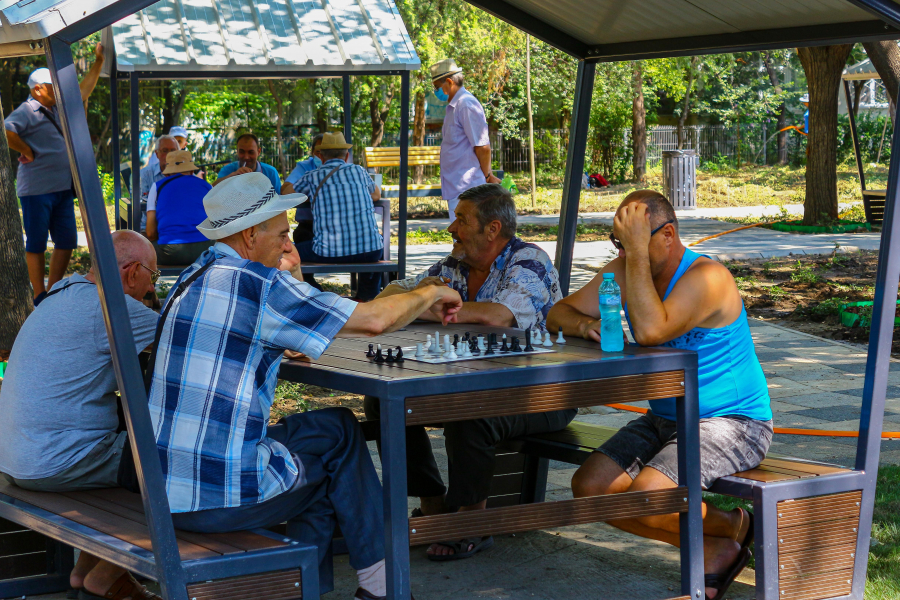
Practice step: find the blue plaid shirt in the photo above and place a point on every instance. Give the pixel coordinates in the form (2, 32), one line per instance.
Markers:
(343, 219)
(522, 278)
(215, 376)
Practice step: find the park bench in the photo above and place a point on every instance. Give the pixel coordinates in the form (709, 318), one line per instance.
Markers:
(418, 156)
(805, 544)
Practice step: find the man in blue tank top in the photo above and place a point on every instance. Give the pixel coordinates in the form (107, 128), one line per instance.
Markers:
(677, 298)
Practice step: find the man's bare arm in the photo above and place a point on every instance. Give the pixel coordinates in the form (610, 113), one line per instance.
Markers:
(484, 159)
(387, 314)
(89, 82)
(16, 143)
(482, 313)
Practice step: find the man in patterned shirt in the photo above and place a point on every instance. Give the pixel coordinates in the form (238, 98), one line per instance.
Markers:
(344, 230)
(504, 282)
(222, 334)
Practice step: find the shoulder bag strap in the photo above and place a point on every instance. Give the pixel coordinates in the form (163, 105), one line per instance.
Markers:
(65, 287)
(312, 201)
(52, 119)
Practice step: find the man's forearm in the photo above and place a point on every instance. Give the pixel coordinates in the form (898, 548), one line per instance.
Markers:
(388, 313)
(16, 143)
(484, 159)
(572, 321)
(644, 305)
(90, 80)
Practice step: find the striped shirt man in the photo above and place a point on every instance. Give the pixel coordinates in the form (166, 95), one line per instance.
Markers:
(343, 221)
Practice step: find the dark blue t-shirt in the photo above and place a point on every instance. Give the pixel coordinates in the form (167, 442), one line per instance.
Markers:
(179, 209)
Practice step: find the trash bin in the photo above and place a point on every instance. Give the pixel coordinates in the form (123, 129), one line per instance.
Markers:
(680, 178)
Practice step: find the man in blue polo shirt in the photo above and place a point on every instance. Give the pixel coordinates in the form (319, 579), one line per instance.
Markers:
(248, 153)
(44, 180)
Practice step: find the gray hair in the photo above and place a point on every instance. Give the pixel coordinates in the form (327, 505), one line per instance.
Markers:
(493, 202)
(167, 137)
(457, 79)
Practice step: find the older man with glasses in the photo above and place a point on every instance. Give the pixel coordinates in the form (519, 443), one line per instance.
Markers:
(60, 430)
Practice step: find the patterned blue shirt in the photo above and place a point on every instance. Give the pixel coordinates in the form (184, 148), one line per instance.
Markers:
(522, 278)
(215, 376)
(343, 218)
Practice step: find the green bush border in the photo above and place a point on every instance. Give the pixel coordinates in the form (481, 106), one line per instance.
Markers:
(849, 319)
(838, 227)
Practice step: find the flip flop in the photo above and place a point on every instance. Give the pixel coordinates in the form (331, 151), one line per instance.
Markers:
(417, 512)
(722, 582)
(461, 549)
(748, 539)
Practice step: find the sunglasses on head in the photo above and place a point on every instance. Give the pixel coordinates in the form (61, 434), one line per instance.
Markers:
(615, 241)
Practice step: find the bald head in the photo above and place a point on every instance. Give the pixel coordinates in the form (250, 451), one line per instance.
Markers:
(659, 208)
(136, 259)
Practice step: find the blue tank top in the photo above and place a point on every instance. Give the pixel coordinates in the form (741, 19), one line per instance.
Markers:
(179, 209)
(730, 376)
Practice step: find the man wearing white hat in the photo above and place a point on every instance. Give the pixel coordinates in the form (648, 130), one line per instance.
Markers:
(222, 334)
(181, 137)
(465, 145)
(44, 180)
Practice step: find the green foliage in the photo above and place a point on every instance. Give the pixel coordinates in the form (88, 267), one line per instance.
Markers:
(826, 308)
(776, 292)
(804, 274)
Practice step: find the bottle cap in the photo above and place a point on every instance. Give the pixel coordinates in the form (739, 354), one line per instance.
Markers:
(609, 276)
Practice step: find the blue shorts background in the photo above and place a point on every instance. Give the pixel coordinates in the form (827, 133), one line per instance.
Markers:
(53, 213)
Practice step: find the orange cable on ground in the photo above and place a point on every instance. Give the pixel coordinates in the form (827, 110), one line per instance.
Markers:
(709, 237)
(892, 435)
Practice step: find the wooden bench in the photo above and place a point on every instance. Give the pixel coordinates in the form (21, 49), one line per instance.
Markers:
(805, 544)
(110, 524)
(381, 157)
(873, 204)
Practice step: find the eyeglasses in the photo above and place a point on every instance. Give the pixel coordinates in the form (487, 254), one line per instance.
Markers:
(615, 241)
(154, 275)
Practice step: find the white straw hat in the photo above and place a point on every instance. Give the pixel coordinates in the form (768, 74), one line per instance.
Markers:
(241, 202)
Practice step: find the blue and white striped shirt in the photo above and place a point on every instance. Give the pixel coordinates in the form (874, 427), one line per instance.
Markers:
(215, 376)
(343, 219)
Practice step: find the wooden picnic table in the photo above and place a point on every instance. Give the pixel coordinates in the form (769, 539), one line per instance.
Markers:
(578, 374)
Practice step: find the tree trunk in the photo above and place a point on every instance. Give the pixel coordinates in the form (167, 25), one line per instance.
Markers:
(321, 111)
(419, 133)
(15, 289)
(885, 57)
(279, 127)
(378, 114)
(823, 66)
(781, 142)
(530, 118)
(686, 108)
(638, 124)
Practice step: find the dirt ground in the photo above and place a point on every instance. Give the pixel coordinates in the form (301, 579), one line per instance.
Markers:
(805, 293)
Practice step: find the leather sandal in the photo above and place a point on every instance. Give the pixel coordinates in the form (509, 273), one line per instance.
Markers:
(461, 549)
(748, 539)
(722, 582)
(125, 586)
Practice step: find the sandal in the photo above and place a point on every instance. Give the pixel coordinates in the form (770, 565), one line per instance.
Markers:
(461, 549)
(748, 539)
(417, 512)
(124, 587)
(722, 582)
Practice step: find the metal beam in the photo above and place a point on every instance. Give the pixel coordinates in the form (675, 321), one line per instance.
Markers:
(745, 41)
(404, 172)
(886, 10)
(533, 25)
(100, 19)
(854, 134)
(134, 93)
(184, 73)
(116, 131)
(348, 114)
(116, 316)
(578, 131)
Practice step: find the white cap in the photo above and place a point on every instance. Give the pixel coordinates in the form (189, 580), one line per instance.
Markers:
(804, 98)
(242, 201)
(39, 76)
(178, 130)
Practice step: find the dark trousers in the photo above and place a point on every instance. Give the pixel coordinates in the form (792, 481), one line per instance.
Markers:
(341, 486)
(369, 283)
(180, 254)
(471, 449)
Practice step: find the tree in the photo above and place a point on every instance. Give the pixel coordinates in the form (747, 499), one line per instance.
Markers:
(824, 66)
(15, 289)
(781, 143)
(380, 99)
(686, 108)
(279, 125)
(885, 57)
(638, 124)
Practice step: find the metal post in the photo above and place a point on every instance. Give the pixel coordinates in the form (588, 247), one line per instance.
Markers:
(135, 223)
(404, 171)
(687, 413)
(854, 134)
(116, 156)
(112, 300)
(348, 114)
(396, 518)
(578, 131)
(766, 550)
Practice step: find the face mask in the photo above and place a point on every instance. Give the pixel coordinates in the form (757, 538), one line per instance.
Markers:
(441, 94)
(317, 162)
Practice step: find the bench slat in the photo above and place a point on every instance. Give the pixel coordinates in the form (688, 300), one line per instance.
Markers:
(104, 522)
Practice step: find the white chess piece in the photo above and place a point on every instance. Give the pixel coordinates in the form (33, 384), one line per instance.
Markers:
(419, 352)
(547, 342)
(481, 343)
(448, 348)
(535, 336)
(437, 342)
(560, 339)
(452, 354)
(466, 352)
(428, 343)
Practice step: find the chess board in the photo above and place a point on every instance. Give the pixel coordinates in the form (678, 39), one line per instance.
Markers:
(409, 353)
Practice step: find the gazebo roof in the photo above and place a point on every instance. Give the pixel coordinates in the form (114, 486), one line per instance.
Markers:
(287, 36)
(611, 30)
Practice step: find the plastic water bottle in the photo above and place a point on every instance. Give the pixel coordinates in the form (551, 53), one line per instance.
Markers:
(610, 297)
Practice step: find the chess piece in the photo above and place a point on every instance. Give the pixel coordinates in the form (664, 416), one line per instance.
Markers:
(560, 339)
(419, 352)
(515, 345)
(490, 346)
(467, 337)
(504, 347)
(437, 343)
(529, 341)
(466, 351)
(390, 356)
(379, 357)
(399, 357)
(452, 355)
(547, 342)
(447, 347)
(455, 339)
(371, 352)
(479, 342)
(428, 343)
(474, 346)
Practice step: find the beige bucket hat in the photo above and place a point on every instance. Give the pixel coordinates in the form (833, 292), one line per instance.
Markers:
(444, 68)
(179, 161)
(334, 141)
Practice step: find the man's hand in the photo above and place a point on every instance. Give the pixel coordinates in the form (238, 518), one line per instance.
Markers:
(27, 156)
(492, 178)
(447, 303)
(290, 261)
(590, 330)
(98, 53)
(632, 227)
(242, 171)
(437, 280)
(293, 355)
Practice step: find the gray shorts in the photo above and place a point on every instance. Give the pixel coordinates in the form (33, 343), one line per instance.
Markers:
(98, 469)
(728, 445)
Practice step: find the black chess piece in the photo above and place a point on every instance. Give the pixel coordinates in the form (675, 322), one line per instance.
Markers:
(379, 357)
(390, 356)
(491, 340)
(467, 337)
(371, 352)
(399, 357)
(529, 347)
(455, 339)
(504, 347)
(515, 345)
(473, 346)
